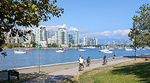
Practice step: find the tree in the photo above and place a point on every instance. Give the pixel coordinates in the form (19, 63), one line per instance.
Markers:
(33, 43)
(140, 32)
(54, 45)
(25, 13)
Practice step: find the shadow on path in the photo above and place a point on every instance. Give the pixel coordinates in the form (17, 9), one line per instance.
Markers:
(48, 79)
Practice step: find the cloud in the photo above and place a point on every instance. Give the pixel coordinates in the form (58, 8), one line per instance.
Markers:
(107, 34)
(55, 28)
(73, 29)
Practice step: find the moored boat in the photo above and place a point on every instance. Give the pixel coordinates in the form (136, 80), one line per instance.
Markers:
(20, 52)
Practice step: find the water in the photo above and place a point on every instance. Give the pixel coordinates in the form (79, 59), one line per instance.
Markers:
(49, 56)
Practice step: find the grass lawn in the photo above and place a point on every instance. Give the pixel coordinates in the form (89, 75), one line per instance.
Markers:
(128, 72)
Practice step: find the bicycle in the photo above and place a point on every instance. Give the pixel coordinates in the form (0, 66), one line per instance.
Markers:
(80, 67)
(88, 64)
(104, 62)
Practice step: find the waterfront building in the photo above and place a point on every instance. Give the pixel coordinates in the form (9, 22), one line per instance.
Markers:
(85, 40)
(108, 43)
(70, 38)
(94, 41)
(41, 35)
(89, 41)
(113, 42)
(76, 38)
(119, 42)
(63, 37)
(125, 42)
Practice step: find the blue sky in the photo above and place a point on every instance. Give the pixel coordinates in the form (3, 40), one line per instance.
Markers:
(102, 19)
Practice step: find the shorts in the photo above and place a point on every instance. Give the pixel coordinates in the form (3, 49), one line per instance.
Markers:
(81, 63)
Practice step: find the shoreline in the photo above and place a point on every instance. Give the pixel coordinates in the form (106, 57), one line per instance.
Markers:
(57, 64)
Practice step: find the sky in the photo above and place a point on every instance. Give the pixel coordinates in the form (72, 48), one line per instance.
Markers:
(102, 19)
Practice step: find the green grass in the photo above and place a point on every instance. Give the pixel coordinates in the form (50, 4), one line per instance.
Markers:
(127, 72)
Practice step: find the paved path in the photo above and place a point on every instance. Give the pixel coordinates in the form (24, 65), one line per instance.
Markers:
(58, 76)
(60, 71)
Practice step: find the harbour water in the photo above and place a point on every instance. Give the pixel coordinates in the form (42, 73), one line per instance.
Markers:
(49, 56)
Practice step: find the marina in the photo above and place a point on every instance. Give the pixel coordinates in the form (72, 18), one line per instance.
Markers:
(50, 56)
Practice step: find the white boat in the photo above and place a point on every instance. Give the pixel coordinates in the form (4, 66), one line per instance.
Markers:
(108, 52)
(104, 50)
(20, 52)
(111, 48)
(60, 50)
(82, 49)
(128, 49)
(120, 47)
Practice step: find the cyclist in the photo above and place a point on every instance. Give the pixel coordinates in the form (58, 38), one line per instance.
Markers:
(81, 64)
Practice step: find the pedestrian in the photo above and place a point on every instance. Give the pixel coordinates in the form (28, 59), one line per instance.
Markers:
(114, 55)
(104, 60)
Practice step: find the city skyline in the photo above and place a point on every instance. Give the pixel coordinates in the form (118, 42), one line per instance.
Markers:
(111, 19)
(102, 19)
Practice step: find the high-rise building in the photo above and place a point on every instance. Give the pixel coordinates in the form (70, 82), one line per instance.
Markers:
(119, 42)
(108, 42)
(85, 40)
(70, 36)
(89, 41)
(125, 42)
(113, 42)
(76, 37)
(62, 37)
(94, 41)
(41, 35)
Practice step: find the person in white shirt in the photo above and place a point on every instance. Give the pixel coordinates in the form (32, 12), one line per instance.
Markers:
(81, 62)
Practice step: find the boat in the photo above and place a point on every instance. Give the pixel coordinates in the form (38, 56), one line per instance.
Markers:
(82, 49)
(120, 47)
(111, 49)
(20, 52)
(60, 50)
(108, 51)
(128, 49)
(104, 50)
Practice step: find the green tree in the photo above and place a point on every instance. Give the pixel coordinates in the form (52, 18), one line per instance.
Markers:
(140, 32)
(9, 45)
(33, 43)
(54, 45)
(25, 13)
(49, 45)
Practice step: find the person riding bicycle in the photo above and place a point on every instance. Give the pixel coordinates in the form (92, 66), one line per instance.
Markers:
(88, 61)
(104, 58)
(81, 62)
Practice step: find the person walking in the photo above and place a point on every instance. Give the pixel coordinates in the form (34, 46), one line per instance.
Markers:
(114, 55)
(104, 60)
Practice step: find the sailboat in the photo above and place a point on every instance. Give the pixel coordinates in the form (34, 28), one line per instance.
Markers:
(60, 49)
(20, 51)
